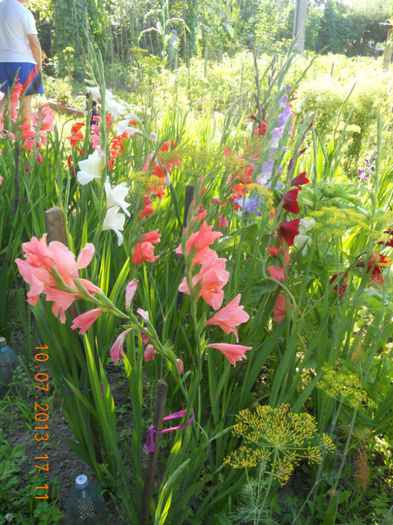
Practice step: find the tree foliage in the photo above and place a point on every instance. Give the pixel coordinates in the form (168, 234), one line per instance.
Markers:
(179, 29)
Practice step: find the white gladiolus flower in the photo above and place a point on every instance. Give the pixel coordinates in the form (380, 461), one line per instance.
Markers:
(114, 221)
(115, 196)
(91, 168)
(114, 107)
(302, 241)
(96, 93)
(123, 126)
(305, 225)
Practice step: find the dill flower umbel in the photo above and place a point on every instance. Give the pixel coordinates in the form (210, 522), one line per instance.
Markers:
(278, 439)
(345, 386)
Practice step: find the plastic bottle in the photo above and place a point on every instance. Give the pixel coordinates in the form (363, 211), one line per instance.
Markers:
(8, 363)
(85, 505)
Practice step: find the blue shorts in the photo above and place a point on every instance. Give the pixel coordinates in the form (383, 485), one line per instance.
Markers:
(25, 73)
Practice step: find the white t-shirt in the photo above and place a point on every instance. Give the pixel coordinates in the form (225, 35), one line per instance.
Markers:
(16, 22)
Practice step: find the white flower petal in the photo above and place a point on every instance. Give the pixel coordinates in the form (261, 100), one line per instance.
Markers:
(94, 164)
(116, 196)
(114, 221)
(84, 177)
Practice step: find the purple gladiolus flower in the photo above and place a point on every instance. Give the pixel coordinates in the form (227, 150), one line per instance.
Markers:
(284, 116)
(276, 135)
(250, 205)
(283, 101)
(266, 173)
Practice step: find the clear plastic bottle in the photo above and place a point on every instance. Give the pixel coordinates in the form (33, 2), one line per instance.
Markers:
(85, 505)
(8, 363)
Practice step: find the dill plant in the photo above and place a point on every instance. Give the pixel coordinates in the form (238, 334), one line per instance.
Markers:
(275, 440)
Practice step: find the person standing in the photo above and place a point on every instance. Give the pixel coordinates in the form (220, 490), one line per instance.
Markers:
(20, 53)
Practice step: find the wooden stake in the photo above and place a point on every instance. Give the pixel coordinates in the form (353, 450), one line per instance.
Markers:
(187, 201)
(159, 409)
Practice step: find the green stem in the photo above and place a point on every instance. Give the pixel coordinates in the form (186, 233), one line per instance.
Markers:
(350, 432)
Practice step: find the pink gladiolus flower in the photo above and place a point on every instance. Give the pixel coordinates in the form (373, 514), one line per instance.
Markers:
(131, 291)
(201, 241)
(280, 308)
(277, 272)
(117, 347)
(36, 270)
(180, 366)
(233, 353)
(212, 277)
(149, 353)
(230, 316)
(143, 314)
(38, 158)
(1, 180)
(222, 221)
(144, 338)
(84, 321)
(144, 250)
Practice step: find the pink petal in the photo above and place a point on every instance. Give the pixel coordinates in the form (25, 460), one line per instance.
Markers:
(149, 353)
(233, 353)
(131, 291)
(143, 314)
(85, 320)
(117, 348)
(85, 256)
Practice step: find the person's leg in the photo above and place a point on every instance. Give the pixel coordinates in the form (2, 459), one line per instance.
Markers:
(26, 110)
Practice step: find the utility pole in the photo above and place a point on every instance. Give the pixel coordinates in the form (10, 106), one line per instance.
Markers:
(299, 24)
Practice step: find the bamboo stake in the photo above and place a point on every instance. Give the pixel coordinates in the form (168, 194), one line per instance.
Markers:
(159, 409)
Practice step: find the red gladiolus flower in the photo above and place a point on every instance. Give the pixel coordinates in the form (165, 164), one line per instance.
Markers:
(167, 164)
(147, 207)
(288, 230)
(157, 189)
(374, 264)
(300, 179)
(341, 283)
(261, 130)
(117, 146)
(144, 250)
(277, 272)
(280, 308)
(76, 135)
(290, 201)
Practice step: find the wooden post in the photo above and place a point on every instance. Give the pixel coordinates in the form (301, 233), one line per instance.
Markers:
(387, 55)
(187, 201)
(299, 24)
(159, 409)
